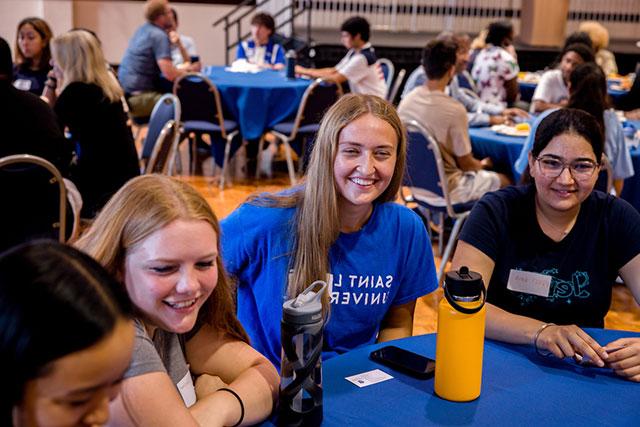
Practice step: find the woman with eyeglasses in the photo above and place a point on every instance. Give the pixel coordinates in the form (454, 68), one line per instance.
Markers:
(550, 251)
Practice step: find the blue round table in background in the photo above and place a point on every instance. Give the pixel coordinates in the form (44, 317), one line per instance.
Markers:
(257, 101)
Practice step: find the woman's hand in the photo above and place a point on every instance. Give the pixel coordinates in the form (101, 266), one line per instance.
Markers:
(568, 341)
(624, 357)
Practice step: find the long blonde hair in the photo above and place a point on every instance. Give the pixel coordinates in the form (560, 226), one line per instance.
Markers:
(317, 218)
(141, 207)
(80, 57)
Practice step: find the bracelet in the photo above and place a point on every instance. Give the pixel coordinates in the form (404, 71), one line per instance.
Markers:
(537, 335)
(239, 401)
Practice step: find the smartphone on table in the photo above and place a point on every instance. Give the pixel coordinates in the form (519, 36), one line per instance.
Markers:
(405, 361)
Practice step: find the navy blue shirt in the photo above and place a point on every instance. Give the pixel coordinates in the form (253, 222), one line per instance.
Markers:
(583, 266)
(30, 80)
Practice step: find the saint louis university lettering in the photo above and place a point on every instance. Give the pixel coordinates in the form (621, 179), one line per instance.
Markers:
(360, 290)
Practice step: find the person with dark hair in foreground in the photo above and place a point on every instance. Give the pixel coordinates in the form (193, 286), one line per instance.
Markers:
(550, 252)
(66, 337)
(359, 66)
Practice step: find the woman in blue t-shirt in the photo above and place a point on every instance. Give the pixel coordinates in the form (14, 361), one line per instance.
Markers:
(341, 225)
(550, 252)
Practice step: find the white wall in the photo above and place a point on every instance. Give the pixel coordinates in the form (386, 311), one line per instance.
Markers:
(115, 22)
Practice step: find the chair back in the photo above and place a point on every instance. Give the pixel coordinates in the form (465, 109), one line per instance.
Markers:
(34, 200)
(200, 100)
(167, 108)
(388, 70)
(164, 152)
(393, 92)
(317, 99)
(469, 92)
(425, 167)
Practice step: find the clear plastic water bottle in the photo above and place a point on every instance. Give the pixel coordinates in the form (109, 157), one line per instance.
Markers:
(291, 64)
(301, 370)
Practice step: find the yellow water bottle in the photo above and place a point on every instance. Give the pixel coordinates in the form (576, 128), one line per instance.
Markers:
(460, 338)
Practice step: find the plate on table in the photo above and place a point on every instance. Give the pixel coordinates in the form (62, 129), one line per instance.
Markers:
(518, 130)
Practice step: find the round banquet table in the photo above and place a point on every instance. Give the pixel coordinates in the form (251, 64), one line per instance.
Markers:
(519, 388)
(257, 101)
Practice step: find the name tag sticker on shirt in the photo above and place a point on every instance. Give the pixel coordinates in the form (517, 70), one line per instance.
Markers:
(369, 378)
(529, 283)
(187, 390)
(22, 84)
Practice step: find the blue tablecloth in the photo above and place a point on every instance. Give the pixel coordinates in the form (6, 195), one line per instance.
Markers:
(257, 101)
(518, 388)
(504, 150)
(631, 189)
(527, 89)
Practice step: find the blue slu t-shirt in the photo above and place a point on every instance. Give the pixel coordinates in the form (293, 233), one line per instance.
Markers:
(388, 262)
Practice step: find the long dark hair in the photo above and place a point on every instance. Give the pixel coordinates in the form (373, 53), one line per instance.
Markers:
(54, 301)
(589, 91)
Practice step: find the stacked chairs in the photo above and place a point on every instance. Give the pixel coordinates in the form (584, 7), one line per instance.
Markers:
(167, 109)
(165, 150)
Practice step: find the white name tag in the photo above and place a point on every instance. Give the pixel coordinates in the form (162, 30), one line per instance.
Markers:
(22, 84)
(187, 390)
(529, 283)
(369, 378)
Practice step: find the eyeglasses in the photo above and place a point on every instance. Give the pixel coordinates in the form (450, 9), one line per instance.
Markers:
(579, 169)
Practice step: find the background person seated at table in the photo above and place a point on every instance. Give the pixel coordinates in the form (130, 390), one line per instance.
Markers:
(32, 55)
(340, 222)
(588, 92)
(359, 66)
(495, 68)
(160, 238)
(183, 48)
(147, 61)
(89, 105)
(552, 90)
(575, 240)
(446, 120)
(479, 113)
(66, 337)
(28, 123)
(261, 49)
(600, 40)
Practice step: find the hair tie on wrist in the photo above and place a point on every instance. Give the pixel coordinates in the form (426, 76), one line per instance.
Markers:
(537, 335)
(239, 401)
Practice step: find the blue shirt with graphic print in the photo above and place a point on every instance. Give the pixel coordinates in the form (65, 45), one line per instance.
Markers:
(583, 266)
(388, 262)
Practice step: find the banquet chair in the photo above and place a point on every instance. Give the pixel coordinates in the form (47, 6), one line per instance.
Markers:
(317, 98)
(34, 197)
(166, 109)
(202, 114)
(393, 91)
(427, 182)
(388, 70)
(604, 182)
(165, 150)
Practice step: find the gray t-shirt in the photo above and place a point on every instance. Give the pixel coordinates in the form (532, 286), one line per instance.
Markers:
(164, 353)
(139, 69)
